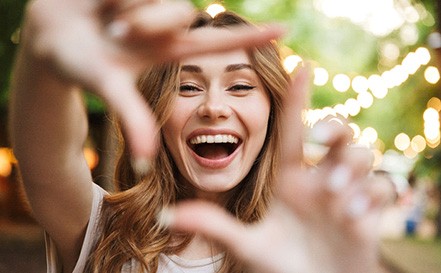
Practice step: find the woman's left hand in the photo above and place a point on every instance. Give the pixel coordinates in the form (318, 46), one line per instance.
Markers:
(322, 219)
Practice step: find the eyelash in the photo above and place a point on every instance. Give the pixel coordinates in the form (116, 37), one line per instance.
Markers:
(234, 88)
(189, 88)
(241, 87)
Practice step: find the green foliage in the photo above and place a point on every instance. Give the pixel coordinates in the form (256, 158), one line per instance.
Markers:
(10, 17)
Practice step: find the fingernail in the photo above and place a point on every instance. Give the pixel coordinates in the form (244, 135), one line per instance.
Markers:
(141, 166)
(358, 206)
(321, 133)
(165, 217)
(339, 178)
(118, 29)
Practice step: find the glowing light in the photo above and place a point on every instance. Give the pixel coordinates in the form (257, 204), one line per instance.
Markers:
(390, 51)
(321, 76)
(431, 74)
(356, 129)
(380, 17)
(434, 103)
(430, 114)
(431, 132)
(402, 141)
(378, 157)
(389, 79)
(91, 157)
(360, 84)
(399, 75)
(291, 62)
(431, 125)
(411, 15)
(370, 134)
(418, 143)
(379, 144)
(411, 63)
(214, 9)
(423, 55)
(410, 153)
(433, 143)
(5, 162)
(341, 82)
(365, 99)
(341, 110)
(377, 86)
(353, 107)
(409, 34)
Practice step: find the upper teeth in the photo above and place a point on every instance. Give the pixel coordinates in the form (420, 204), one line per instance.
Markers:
(214, 139)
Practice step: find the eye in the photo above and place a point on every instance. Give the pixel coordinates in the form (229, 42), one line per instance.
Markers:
(189, 88)
(241, 87)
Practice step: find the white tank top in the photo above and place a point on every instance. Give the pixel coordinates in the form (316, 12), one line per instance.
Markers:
(167, 263)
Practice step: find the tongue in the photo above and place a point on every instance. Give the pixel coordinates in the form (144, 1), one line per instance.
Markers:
(212, 151)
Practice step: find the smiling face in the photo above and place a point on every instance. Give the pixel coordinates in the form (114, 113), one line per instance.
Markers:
(219, 122)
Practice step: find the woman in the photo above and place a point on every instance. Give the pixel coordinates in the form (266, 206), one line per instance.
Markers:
(220, 118)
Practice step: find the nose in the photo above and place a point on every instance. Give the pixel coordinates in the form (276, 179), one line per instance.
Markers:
(214, 107)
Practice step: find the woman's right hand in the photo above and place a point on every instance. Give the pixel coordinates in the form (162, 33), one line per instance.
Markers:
(103, 46)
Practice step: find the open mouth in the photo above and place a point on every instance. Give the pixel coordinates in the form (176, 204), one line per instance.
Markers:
(214, 146)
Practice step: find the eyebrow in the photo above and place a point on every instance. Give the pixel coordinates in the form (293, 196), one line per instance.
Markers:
(229, 68)
(234, 67)
(191, 68)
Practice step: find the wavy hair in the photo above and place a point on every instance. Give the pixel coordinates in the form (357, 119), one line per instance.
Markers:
(128, 228)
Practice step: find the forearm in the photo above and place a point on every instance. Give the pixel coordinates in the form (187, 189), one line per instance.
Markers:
(48, 123)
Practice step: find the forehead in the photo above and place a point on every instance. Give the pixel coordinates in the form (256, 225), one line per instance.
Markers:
(222, 59)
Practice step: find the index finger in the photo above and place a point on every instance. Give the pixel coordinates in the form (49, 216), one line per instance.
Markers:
(292, 125)
(205, 41)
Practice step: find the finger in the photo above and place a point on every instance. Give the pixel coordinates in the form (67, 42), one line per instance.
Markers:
(115, 7)
(327, 138)
(207, 40)
(119, 91)
(292, 125)
(351, 165)
(381, 190)
(150, 21)
(209, 220)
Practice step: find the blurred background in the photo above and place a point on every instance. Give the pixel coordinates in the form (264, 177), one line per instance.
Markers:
(376, 65)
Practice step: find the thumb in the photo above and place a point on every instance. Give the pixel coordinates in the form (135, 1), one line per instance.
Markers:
(208, 220)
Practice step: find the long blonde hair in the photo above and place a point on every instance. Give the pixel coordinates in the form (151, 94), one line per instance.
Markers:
(128, 227)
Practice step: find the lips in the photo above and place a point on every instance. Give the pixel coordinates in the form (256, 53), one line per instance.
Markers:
(214, 150)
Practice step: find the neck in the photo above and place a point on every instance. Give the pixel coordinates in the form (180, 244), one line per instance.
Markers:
(199, 248)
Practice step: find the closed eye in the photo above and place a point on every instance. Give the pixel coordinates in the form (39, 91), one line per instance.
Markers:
(241, 87)
(189, 88)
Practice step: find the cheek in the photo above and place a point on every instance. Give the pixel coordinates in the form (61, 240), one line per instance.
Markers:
(257, 116)
(172, 128)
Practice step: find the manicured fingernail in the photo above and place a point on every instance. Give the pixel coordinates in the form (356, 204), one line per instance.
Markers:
(165, 217)
(339, 178)
(141, 166)
(321, 133)
(358, 206)
(118, 29)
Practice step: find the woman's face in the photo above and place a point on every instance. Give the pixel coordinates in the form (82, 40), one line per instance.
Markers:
(218, 123)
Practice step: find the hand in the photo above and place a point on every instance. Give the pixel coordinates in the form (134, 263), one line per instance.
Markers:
(104, 45)
(321, 220)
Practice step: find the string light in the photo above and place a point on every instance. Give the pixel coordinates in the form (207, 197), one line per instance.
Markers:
(291, 62)
(369, 88)
(214, 9)
(431, 74)
(341, 82)
(321, 76)
(402, 141)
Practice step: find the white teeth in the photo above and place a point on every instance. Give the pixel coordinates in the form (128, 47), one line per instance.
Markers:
(214, 139)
